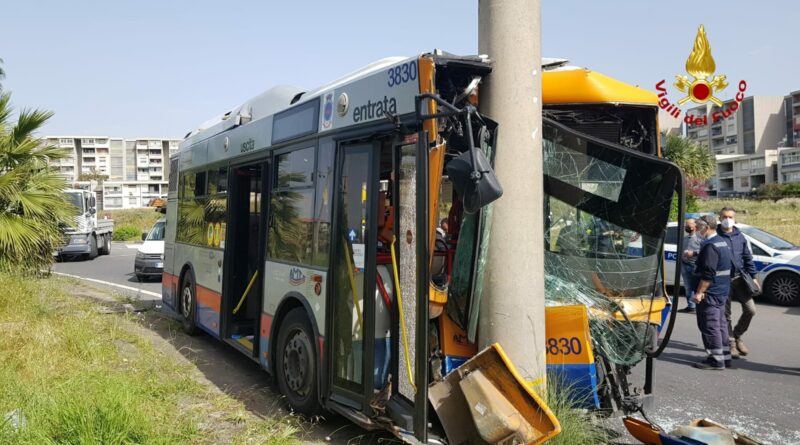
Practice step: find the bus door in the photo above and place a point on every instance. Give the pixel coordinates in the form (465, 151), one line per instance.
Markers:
(245, 247)
(354, 237)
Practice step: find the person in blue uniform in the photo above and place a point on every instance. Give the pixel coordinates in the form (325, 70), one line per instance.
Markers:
(714, 270)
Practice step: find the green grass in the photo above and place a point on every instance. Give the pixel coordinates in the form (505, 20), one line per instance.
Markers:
(577, 424)
(138, 220)
(82, 377)
(778, 217)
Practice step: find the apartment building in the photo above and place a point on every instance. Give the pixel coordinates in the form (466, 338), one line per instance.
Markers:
(739, 174)
(758, 124)
(136, 170)
(792, 105)
(788, 168)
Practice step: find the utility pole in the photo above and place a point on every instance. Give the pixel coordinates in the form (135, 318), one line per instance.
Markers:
(512, 307)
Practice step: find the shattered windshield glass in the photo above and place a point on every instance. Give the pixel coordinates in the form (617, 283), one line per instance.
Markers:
(606, 210)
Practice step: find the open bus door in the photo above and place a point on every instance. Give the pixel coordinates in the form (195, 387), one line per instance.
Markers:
(377, 346)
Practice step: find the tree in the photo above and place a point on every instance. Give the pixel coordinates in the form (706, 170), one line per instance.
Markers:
(698, 165)
(32, 202)
(694, 159)
(93, 175)
(2, 74)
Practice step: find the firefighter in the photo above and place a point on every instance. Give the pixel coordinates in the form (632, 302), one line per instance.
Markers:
(714, 270)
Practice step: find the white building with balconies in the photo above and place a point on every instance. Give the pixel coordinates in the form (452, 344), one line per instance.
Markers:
(136, 170)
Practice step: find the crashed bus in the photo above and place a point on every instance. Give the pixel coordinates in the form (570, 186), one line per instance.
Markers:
(604, 244)
(301, 231)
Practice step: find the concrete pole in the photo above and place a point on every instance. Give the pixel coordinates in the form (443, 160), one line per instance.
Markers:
(512, 306)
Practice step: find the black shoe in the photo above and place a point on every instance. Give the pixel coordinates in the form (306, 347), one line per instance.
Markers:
(705, 366)
(688, 310)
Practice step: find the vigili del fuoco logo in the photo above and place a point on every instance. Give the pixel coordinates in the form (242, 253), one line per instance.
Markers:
(700, 86)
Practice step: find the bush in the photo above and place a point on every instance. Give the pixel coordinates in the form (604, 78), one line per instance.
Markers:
(778, 190)
(126, 233)
(142, 219)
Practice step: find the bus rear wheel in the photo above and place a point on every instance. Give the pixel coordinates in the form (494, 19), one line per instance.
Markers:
(188, 304)
(296, 364)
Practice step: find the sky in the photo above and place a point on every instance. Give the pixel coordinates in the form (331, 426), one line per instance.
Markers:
(157, 68)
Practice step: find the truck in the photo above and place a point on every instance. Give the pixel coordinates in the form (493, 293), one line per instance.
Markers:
(87, 236)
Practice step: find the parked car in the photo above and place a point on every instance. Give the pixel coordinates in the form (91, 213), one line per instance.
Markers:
(777, 262)
(150, 256)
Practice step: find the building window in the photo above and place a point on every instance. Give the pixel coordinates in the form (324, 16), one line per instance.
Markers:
(744, 182)
(790, 158)
(791, 177)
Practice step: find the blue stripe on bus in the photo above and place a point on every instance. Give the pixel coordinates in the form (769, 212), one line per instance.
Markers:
(208, 320)
(582, 379)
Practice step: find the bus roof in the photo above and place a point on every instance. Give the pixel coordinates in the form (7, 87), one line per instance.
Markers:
(573, 85)
(277, 99)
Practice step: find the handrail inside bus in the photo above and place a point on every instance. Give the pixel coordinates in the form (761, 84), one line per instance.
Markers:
(402, 317)
(246, 292)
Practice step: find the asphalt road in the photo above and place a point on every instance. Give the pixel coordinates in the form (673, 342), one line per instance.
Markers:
(114, 269)
(759, 397)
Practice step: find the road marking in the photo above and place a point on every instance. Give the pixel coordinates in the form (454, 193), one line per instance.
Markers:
(107, 283)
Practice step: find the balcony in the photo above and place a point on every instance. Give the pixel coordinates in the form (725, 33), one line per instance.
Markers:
(725, 174)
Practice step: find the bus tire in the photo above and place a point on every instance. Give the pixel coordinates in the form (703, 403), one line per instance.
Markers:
(188, 304)
(93, 252)
(296, 364)
(106, 249)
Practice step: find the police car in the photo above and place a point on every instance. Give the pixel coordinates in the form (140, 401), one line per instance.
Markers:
(777, 262)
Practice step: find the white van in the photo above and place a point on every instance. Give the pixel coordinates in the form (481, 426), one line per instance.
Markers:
(150, 256)
(777, 262)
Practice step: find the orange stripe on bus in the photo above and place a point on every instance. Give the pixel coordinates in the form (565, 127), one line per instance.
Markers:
(167, 279)
(209, 298)
(266, 325)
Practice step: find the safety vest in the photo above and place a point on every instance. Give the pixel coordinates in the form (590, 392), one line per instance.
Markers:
(721, 286)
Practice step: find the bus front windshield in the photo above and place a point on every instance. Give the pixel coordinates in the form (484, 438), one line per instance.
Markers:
(606, 211)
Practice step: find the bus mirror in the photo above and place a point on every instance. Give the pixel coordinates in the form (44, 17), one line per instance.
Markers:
(474, 180)
(92, 210)
(92, 202)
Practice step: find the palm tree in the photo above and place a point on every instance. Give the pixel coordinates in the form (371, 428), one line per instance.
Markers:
(32, 203)
(2, 74)
(698, 165)
(694, 159)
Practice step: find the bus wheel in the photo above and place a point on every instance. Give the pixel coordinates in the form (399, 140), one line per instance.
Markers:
(188, 304)
(296, 363)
